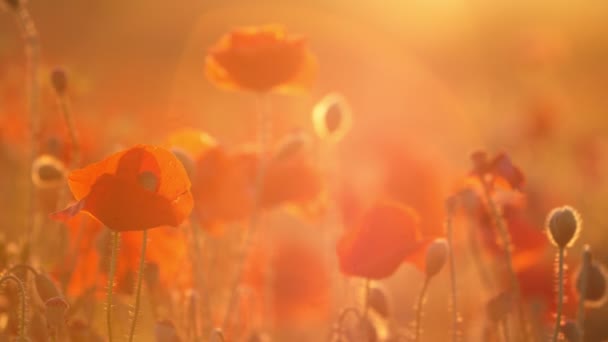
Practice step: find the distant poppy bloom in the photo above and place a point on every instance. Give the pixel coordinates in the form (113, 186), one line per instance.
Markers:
(261, 59)
(136, 189)
(384, 236)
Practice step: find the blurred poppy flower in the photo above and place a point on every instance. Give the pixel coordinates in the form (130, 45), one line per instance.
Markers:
(139, 188)
(261, 59)
(384, 236)
(224, 184)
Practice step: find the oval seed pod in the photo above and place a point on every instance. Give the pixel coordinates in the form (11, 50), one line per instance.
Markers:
(332, 117)
(48, 171)
(436, 255)
(563, 226)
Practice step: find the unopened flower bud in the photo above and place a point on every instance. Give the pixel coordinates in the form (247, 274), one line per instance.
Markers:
(436, 255)
(59, 81)
(332, 117)
(595, 294)
(56, 308)
(48, 171)
(563, 226)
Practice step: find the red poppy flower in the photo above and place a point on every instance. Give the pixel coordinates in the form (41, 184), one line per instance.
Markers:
(140, 188)
(384, 236)
(260, 59)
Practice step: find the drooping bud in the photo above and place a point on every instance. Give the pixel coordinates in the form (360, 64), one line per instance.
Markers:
(48, 171)
(165, 331)
(56, 308)
(59, 81)
(331, 117)
(46, 287)
(436, 255)
(377, 301)
(563, 226)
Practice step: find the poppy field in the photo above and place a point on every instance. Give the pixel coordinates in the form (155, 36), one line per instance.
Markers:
(292, 171)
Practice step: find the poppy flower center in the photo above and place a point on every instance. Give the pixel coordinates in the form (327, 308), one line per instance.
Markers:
(148, 181)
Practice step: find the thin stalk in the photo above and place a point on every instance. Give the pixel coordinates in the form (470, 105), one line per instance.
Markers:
(580, 316)
(114, 251)
(508, 258)
(140, 277)
(560, 294)
(32, 55)
(419, 310)
(449, 236)
(22, 320)
(262, 136)
(66, 111)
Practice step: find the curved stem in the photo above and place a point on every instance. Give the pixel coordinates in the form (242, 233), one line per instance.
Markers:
(449, 235)
(140, 277)
(22, 320)
(114, 252)
(419, 308)
(263, 123)
(22, 266)
(503, 231)
(560, 294)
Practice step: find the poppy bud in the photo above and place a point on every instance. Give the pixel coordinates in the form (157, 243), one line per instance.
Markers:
(45, 287)
(499, 306)
(571, 331)
(48, 171)
(59, 80)
(331, 117)
(377, 301)
(563, 225)
(165, 332)
(436, 255)
(291, 145)
(55, 311)
(596, 293)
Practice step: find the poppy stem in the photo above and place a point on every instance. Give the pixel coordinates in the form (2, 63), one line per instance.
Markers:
(560, 293)
(506, 242)
(32, 55)
(22, 300)
(114, 251)
(262, 137)
(140, 277)
(419, 310)
(584, 281)
(449, 235)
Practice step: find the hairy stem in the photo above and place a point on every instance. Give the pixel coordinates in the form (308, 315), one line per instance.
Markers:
(114, 251)
(22, 319)
(140, 277)
(419, 310)
(560, 294)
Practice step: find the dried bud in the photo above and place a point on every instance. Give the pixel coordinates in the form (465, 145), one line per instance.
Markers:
(48, 172)
(291, 145)
(499, 306)
(187, 161)
(596, 294)
(165, 332)
(59, 80)
(46, 288)
(436, 255)
(570, 331)
(563, 226)
(377, 301)
(55, 311)
(331, 117)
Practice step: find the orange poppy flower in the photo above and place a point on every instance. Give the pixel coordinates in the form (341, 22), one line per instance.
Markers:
(260, 59)
(384, 236)
(139, 188)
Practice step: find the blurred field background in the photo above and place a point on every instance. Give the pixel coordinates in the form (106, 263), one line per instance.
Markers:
(439, 79)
